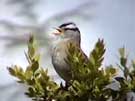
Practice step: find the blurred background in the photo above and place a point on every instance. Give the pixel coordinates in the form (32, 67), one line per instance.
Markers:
(112, 20)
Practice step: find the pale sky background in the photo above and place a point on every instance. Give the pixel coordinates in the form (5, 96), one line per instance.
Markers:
(112, 20)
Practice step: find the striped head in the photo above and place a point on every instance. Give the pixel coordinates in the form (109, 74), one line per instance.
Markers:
(68, 30)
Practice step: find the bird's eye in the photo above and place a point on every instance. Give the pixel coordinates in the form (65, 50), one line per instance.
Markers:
(59, 30)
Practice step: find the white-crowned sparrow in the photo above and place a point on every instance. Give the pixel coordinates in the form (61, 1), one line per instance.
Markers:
(66, 33)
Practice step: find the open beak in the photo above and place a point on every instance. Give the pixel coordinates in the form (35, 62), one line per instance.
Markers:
(58, 31)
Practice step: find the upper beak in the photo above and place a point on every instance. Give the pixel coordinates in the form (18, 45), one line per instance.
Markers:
(58, 31)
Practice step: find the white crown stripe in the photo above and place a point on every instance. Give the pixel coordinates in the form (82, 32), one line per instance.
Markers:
(71, 26)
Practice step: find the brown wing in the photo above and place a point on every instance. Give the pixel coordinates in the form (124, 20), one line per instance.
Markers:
(84, 55)
(77, 47)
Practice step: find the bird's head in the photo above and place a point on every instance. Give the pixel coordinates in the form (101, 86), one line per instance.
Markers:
(68, 30)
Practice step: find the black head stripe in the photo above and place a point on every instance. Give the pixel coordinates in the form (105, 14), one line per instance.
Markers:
(65, 24)
(73, 29)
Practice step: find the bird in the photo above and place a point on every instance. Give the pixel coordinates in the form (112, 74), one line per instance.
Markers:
(67, 33)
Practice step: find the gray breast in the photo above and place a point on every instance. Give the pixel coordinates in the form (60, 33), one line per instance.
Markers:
(59, 54)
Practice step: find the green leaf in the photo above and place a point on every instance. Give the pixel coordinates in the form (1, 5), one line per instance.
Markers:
(122, 52)
(11, 71)
(31, 51)
(96, 56)
(17, 72)
(34, 66)
(31, 92)
(133, 64)
(110, 70)
(123, 56)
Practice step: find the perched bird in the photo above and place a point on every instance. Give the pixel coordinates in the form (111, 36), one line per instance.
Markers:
(66, 33)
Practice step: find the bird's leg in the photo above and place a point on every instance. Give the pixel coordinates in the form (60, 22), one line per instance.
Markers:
(66, 86)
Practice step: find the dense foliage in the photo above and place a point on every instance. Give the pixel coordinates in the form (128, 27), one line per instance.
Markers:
(90, 80)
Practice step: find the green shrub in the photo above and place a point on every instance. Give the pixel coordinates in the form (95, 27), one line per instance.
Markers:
(89, 82)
